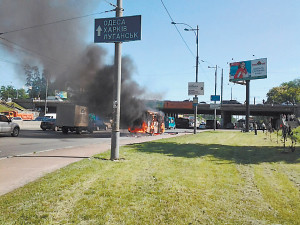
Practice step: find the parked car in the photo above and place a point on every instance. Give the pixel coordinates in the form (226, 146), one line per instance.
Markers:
(50, 115)
(182, 123)
(230, 102)
(192, 124)
(16, 119)
(49, 124)
(210, 124)
(287, 103)
(8, 127)
(40, 118)
(202, 125)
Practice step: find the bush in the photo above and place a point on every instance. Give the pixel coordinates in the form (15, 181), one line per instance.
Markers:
(296, 132)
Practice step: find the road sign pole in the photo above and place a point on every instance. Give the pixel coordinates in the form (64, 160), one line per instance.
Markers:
(197, 62)
(115, 138)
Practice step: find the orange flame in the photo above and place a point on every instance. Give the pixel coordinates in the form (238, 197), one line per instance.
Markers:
(142, 129)
(145, 129)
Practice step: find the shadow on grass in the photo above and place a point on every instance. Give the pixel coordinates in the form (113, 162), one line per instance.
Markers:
(234, 154)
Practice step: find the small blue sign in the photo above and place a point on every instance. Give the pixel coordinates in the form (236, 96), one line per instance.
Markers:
(215, 98)
(117, 29)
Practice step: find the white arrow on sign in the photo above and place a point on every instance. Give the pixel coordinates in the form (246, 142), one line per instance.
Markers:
(99, 29)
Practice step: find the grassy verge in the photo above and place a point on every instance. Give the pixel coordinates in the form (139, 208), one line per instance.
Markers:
(208, 178)
(15, 105)
(4, 108)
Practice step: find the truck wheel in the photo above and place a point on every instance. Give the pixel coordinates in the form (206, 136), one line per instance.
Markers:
(65, 130)
(78, 131)
(15, 132)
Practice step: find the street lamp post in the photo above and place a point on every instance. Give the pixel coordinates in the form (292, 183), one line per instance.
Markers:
(46, 95)
(196, 32)
(215, 110)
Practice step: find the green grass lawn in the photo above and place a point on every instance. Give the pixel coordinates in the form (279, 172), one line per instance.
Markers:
(208, 178)
(13, 104)
(4, 108)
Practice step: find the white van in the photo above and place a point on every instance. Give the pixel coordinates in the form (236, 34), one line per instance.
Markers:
(50, 115)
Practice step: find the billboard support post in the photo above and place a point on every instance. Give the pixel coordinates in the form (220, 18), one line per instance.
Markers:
(242, 73)
(247, 104)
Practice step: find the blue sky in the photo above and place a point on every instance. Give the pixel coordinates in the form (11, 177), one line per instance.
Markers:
(232, 29)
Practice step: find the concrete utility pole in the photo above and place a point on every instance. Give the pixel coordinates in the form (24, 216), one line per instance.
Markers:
(46, 96)
(215, 110)
(197, 62)
(195, 99)
(115, 138)
(222, 87)
(215, 114)
(222, 119)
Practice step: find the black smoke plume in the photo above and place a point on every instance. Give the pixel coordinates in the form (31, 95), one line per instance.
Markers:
(75, 66)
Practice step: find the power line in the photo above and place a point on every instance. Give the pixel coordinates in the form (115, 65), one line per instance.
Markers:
(30, 51)
(111, 4)
(14, 63)
(54, 22)
(177, 29)
(40, 25)
(174, 23)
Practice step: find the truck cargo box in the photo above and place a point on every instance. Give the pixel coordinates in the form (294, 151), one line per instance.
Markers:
(70, 115)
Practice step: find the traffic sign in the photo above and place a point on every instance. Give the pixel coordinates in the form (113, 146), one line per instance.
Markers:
(215, 97)
(215, 106)
(195, 101)
(196, 88)
(117, 29)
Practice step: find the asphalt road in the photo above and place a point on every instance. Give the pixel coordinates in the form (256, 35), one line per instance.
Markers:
(30, 141)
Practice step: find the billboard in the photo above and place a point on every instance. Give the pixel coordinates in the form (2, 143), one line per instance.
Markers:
(248, 70)
(61, 94)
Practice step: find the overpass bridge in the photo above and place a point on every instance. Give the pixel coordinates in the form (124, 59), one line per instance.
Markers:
(177, 107)
(174, 108)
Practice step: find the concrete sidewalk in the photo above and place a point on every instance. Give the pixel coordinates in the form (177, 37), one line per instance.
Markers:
(15, 172)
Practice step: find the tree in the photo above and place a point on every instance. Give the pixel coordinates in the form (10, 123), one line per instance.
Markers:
(288, 92)
(10, 92)
(36, 82)
(21, 94)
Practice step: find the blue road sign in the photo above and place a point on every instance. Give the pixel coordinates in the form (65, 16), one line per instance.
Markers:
(195, 101)
(215, 97)
(117, 29)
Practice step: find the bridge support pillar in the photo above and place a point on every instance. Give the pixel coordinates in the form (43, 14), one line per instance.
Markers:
(226, 118)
